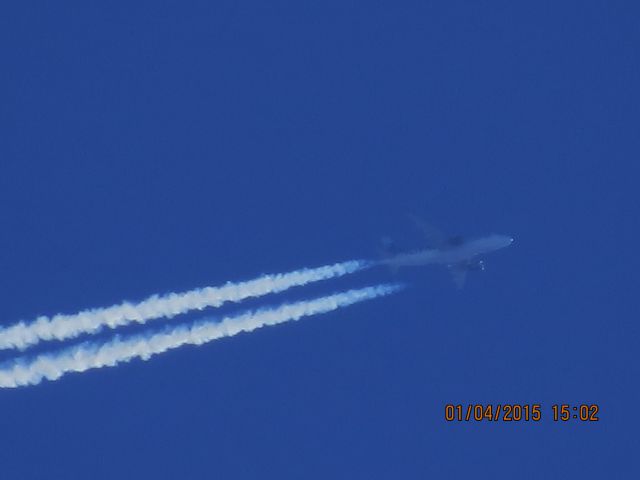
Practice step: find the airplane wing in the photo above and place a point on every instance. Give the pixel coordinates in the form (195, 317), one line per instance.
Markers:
(459, 275)
(435, 238)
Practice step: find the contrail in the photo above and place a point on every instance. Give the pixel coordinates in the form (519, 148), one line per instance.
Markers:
(90, 355)
(62, 326)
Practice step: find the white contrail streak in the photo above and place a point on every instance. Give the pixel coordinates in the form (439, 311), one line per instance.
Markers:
(61, 327)
(88, 356)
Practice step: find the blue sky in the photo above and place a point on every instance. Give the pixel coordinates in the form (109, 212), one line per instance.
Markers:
(149, 147)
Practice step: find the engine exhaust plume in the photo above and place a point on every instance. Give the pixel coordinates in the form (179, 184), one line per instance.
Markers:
(62, 326)
(92, 355)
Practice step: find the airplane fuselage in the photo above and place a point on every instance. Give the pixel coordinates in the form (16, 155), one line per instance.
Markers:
(451, 255)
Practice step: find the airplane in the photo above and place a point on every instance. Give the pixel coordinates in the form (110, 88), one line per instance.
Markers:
(456, 253)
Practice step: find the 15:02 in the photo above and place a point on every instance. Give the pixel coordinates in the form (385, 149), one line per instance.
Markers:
(584, 412)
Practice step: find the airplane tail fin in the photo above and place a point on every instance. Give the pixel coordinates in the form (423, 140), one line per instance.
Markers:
(386, 250)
